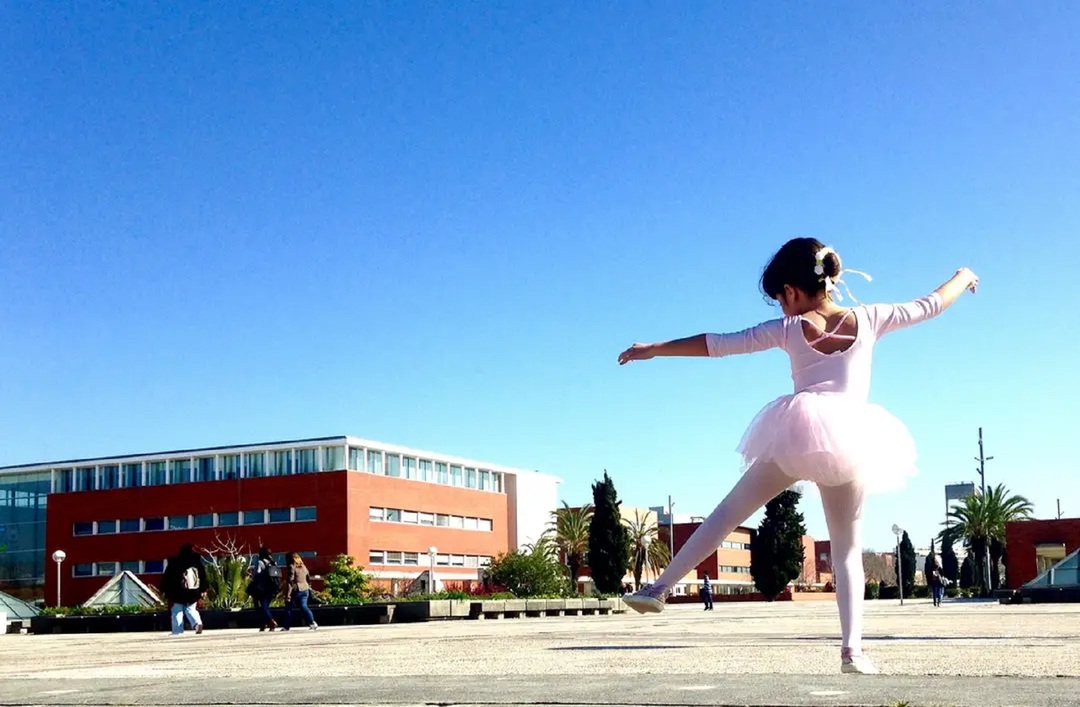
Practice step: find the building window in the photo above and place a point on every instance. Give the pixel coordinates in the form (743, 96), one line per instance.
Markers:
(180, 471)
(64, 481)
(178, 522)
(470, 478)
(457, 522)
(442, 476)
(86, 528)
(281, 463)
(376, 513)
(205, 469)
(497, 478)
(306, 513)
(393, 465)
(153, 524)
(228, 520)
(485, 524)
(155, 474)
(254, 517)
(132, 567)
(106, 569)
(203, 520)
(457, 560)
(442, 520)
(374, 461)
(132, 474)
(307, 461)
(153, 566)
(106, 527)
(393, 515)
(472, 523)
(485, 480)
(84, 479)
(356, 459)
(427, 519)
(442, 560)
(410, 558)
(471, 561)
(280, 515)
(130, 525)
(376, 557)
(333, 459)
(426, 472)
(109, 477)
(410, 517)
(83, 570)
(230, 466)
(393, 558)
(408, 467)
(307, 553)
(485, 562)
(254, 465)
(455, 476)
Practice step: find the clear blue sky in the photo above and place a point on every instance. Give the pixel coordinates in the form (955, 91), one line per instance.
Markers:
(437, 225)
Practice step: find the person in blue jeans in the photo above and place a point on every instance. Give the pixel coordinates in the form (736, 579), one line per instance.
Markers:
(297, 590)
(706, 594)
(265, 585)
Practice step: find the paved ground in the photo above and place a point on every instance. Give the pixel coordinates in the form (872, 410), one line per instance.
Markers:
(741, 654)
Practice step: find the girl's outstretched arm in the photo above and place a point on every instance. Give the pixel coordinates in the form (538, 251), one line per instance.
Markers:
(690, 346)
(885, 318)
(759, 338)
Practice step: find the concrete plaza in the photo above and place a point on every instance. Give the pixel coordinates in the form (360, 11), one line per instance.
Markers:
(962, 654)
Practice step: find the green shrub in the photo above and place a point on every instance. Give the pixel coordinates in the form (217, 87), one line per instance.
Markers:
(125, 610)
(921, 591)
(952, 592)
(529, 575)
(873, 590)
(889, 591)
(345, 583)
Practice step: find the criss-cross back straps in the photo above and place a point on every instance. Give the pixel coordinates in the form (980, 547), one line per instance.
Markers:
(832, 334)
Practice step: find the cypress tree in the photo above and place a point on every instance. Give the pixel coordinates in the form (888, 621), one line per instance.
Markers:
(950, 565)
(907, 554)
(967, 573)
(776, 550)
(609, 542)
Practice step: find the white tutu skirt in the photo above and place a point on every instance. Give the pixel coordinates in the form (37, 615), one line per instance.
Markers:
(832, 439)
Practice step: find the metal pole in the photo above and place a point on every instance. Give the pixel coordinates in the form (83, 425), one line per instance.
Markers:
(58, 604)
(982, 459)
(671, 525)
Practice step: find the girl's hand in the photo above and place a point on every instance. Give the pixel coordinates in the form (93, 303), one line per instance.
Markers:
(637, 352)
(972, 278)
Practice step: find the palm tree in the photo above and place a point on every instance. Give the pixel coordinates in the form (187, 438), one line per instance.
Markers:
(645, 548)
(979, 521)
(568, 533)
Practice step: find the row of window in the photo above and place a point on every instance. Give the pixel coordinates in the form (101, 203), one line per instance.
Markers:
(728, 545)
(394, 557)
(201, 520)
(284, 462)
(109, 569)
(734, 569)
(440, 520)
(404, 467)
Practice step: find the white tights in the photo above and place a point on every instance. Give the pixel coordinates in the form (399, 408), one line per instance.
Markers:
(843, 516)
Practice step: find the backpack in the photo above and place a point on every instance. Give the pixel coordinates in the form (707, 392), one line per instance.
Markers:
(190, 578)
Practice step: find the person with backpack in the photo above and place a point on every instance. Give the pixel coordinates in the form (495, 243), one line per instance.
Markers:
(297, 590)
(265, 585)
(184, 583)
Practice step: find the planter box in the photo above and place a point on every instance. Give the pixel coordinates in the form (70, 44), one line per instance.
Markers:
(590, 606)
(413, 611)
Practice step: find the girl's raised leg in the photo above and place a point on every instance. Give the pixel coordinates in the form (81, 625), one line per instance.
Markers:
(758, 486)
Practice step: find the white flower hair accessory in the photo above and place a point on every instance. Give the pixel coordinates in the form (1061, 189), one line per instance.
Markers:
(832, 282)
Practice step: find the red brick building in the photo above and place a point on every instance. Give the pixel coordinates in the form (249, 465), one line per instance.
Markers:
(1035, 545)
(397, 511)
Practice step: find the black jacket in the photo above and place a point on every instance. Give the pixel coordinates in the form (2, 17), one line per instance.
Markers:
(172, 580)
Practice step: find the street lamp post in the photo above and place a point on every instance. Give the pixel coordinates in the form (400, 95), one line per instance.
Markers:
(58, 557)
(898, 531)
(431, 553)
